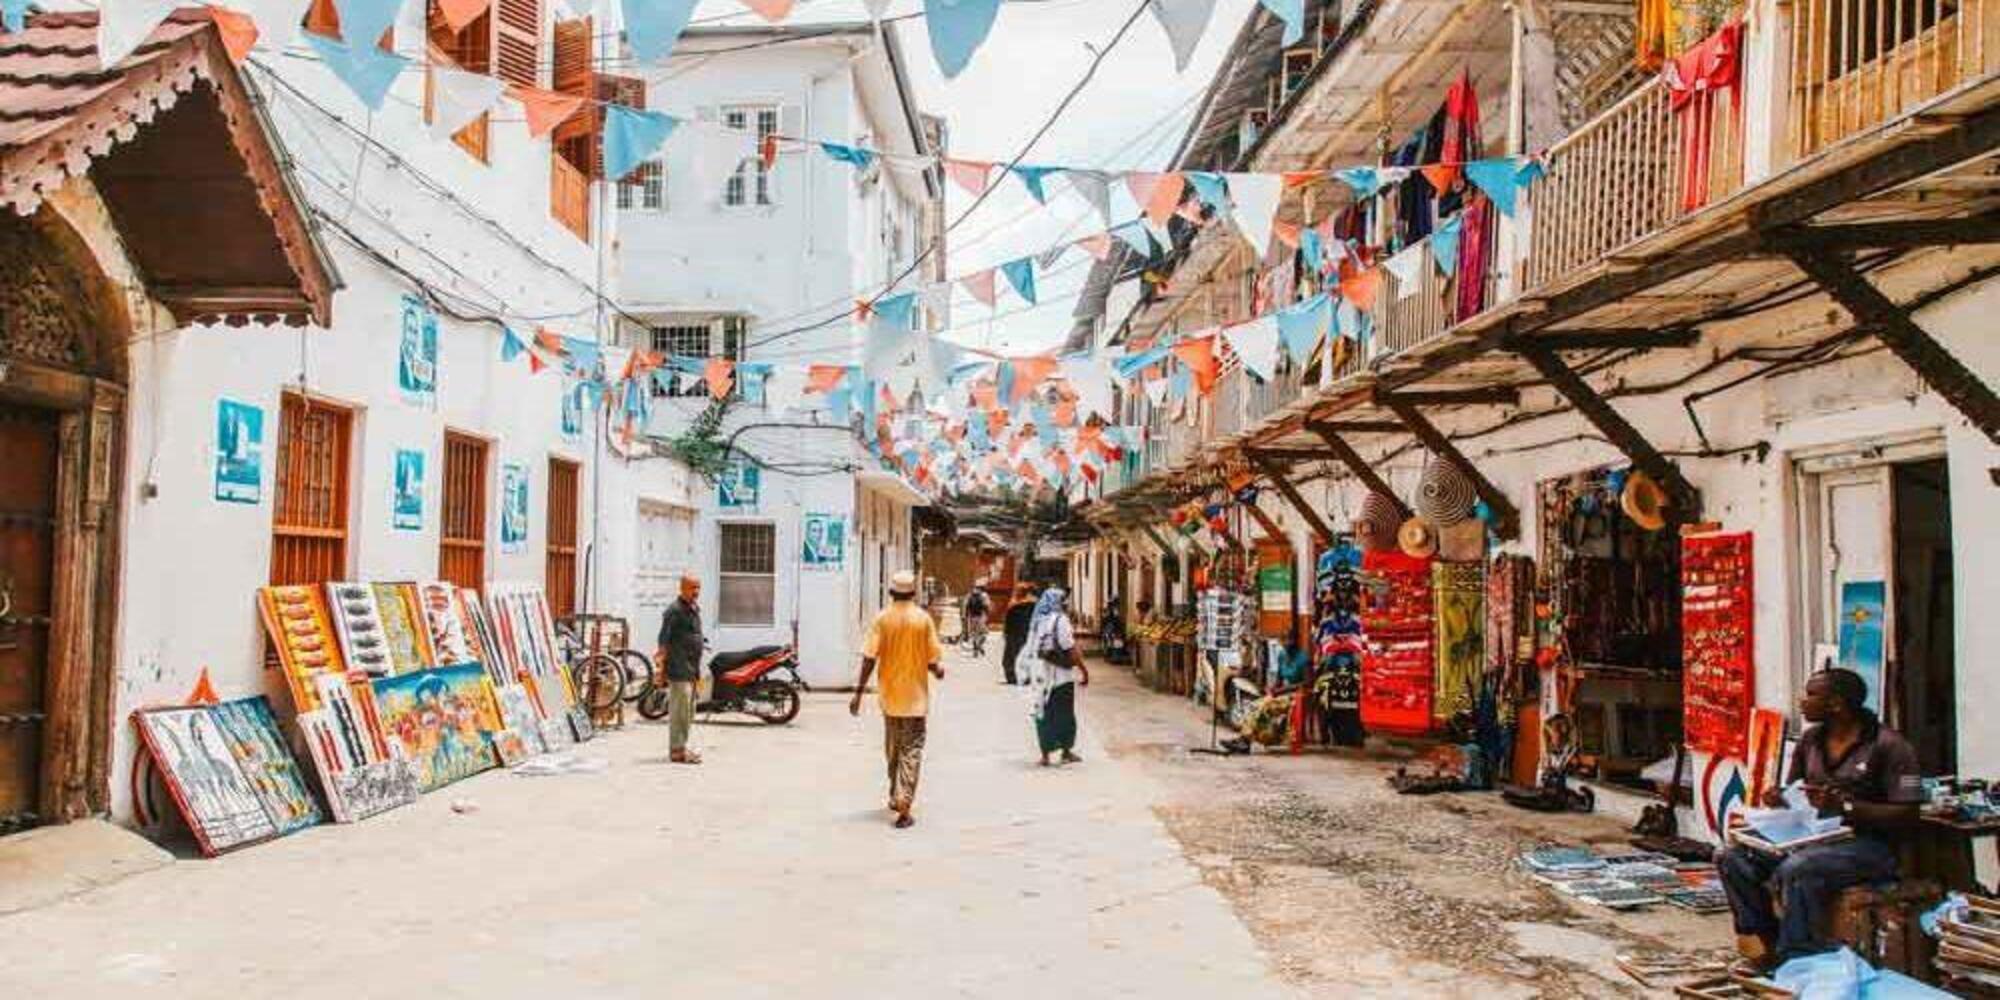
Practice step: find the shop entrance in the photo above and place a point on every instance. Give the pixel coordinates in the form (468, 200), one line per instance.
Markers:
(29, 439)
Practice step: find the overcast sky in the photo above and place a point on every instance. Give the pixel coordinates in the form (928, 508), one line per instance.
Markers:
(1130, 117)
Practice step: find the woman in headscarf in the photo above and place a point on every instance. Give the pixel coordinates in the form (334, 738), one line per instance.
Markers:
(1055, 667)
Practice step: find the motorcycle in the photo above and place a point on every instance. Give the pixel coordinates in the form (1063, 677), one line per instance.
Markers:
(745, 681)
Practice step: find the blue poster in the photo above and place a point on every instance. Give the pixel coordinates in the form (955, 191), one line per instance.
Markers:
(1862, 633)
(738, 485)
(417, 356)
(239, 452)
(572, 412)
(513, 506)
(825, 544)
(407, 511)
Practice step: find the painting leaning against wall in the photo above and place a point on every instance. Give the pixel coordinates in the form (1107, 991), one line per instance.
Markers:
(442, 719)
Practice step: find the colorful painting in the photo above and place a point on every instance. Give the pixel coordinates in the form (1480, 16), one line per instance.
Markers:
(406, 507)
(825, 546)
(1863, 621)
(403, 627)
(239, 452)
(300, 627)
(513, 506)
(446, 630)
(738, 485)
(417, 354)
(268, 764)
(358, 621)
(510, 747)
(517, 710)
(442, 719)
(354, 790)
(1460, 610)
(479, 635)
(219, 801)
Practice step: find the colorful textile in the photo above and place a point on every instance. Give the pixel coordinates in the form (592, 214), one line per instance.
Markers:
(1459, 593)
(1693, 81)
(1396, 613)
(903, 746)
(1510, 629)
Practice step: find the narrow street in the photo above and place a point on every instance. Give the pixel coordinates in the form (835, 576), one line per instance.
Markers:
(771, 871)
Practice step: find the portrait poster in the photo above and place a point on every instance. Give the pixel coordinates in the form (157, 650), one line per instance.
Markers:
(417, 353)
(572, 411)
(738, 485)
(407, 508)
(825, 542)
(239, 452)
(441, 719)
(513, 506)
(215, 797)
(1862, 622)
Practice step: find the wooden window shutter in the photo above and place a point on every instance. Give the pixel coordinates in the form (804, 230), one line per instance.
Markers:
(517, 41)
(574, 65)
(575, 72)
(470, 50)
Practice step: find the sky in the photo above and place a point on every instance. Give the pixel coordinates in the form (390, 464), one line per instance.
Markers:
(1131, 116)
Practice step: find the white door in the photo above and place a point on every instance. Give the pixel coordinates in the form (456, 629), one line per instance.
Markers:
(1851, 560)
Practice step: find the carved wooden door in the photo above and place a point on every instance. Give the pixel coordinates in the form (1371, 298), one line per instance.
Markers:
(28, 439)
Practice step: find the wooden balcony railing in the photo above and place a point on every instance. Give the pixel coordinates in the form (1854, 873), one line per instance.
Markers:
(569, 197)
(1624, 176)
(1858, 63)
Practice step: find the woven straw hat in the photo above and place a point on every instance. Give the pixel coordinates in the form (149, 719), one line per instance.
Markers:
(1375, 527)
(1417, 538)
(1644, 502)
(1444, 495)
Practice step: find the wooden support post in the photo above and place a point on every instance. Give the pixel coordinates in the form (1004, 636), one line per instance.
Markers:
(1277, 476)
(1359, 466)
(1685, 499)
(1506, 520)
(1271, 528)
(1881, 316)
(1165, 549)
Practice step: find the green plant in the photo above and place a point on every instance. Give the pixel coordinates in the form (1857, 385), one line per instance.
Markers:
(701, 447)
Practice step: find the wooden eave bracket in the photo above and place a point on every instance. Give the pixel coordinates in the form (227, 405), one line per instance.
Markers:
(1362, 470)
(1275, 472)
(1684, 499)
(1506, 519)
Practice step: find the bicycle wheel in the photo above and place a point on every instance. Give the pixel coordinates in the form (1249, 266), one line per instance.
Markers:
(638, 669)
(600, 679)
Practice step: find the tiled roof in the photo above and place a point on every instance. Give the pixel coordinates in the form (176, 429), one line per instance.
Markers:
(49, 73)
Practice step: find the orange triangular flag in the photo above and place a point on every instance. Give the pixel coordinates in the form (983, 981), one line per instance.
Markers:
(459, 13)
(1360, 287)
(1441, 175)
(545, 108)
(548, 341)
(1029, 373)
(1198, 354)
(720, 374)
(1301, 178)
(1163, 197)
(822, 378)
(767, 150)
(972, 175)
(771, 10)
(535, 363)
(204, 691)
(239, 33)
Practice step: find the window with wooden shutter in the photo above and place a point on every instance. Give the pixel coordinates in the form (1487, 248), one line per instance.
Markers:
(470, 50)
(564, 478)
(323, 18)
(309, 522)
(517, 41)
(462, 538)
(573, 144)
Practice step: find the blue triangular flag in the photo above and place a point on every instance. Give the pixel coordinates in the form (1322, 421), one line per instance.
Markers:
(1293, 13)
(853, 156)
(1134, 235)
(583, 354)
(958, 28)
(631, 136)
(1031, 178)
(1351, 322)
(511, 345)
(1364, 180)
(1444, 244)
(1313, 249)
(1180, 382)
(1209, 187)
(1021, 274)
(14, 15)
(1132, 364)
(366, 20)
(1499, 178)
(367, 70)
(1301, 324)
(975, 431)
(663, 378)
(653, 26)
(899, 310)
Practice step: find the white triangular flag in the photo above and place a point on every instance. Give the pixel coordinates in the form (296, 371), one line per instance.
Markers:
(1256, 199)
(1256, 345)
(458, 98)
(1406, 266)
(718, 154)
(123, 24)
(1156, 390)
(1094, 187)
(277, 20)
(785, 387)
(875, 8)
(1185, 21)
(1091, 378)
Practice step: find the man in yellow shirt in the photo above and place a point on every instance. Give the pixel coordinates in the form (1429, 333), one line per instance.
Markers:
(903, 643)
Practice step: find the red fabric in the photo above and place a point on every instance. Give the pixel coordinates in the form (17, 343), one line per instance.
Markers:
(1475, 247)
(1693, 80)
(1718, 642)
(1461, 111)
(1397, 679)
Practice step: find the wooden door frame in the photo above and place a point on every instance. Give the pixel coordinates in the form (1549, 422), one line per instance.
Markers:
(78, 684)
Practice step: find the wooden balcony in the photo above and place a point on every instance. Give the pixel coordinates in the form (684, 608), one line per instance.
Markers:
(1855, 64)
(569, 197)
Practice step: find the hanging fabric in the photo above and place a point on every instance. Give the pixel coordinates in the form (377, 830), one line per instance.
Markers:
(1694, 81)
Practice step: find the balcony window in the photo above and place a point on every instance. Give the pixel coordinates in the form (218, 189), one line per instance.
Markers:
(751, 183)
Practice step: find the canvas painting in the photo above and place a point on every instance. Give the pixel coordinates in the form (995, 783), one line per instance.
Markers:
(517, 710)
(267, 763)
(479, 635)
(216, 798)
(1863, 619)
(406, 509)
(358, 619)
(510, 747)
(446, 630)
(579, 723)
(299, 625)
(556, 732)
(355, 790)
(403, 630)
(442, 719)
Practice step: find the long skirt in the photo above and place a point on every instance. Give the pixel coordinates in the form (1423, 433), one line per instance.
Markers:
(903, 744)
(1056, 728)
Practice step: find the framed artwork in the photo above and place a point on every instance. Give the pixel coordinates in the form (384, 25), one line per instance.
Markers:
(357, 618)
(479, 635)
(441, 719)
(403, 627)
(406, 507)
(300, 627)
(355, 790)
(417, 353)
(239, 452)
(439, 602)
(206, 779)
(1863, 614)
(513, 506)
(268, 764)
(825, 542)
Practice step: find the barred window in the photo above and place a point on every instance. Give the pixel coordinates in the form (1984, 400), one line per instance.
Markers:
(720, 338)
(751, 184)
(746, 564)
(644, 188)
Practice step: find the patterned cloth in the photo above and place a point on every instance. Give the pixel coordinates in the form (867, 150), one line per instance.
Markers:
(903, 744)
(1461, 618)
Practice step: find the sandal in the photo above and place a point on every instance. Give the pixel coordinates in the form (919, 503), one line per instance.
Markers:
(684, 757)
(904, 821)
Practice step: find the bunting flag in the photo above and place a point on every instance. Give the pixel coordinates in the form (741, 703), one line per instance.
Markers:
(1360, 285)
(238, 31)
(1256, 345)
(367, 70)
(1351, 323)
(1090, 377)
(631, 136)
(1500, 179)
(785, 388)
(1407, 266)
(13, 16)
(1180, 383)
(458, 98)
(1157, 194)
(1313, 250)
(1444, 244)
(771, 10)
(1134, 235)
(720, 375)
(1293, 13)
(653, 26)
(824, 378)
(1302, 324)
(958, 28)
(1440, 175)
(121, 26)
(511, 346)
(278, 21)
(1032, 178)
(1210, 189)
(1097, 245)
(1198, 354)
(365, 21)
(972, 175)
(1184, 21)
(983, 286)
(853, 156)
(1364, 180)
(898, 310)
(1021, 274)
(1094, 187)
(460, 13)
(545, 108)
(1256, 199)
(875, 8)
(1029, 372)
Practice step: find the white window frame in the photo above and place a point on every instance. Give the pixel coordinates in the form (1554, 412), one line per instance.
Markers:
(750, 186)
(731, 332)
(724, 576)
(645, 188)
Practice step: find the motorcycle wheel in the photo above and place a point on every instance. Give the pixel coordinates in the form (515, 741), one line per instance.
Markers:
(772, 702)
(653, 705)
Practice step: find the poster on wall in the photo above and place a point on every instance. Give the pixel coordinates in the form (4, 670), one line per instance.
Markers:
(572, 412)
(239, 452)
(738, 485)
(417, 353)
(1862, 604)
(407, 510)
(513, 506)
(825, 546)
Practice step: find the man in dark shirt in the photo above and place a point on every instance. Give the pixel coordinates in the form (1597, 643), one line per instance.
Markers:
(679, 655)
(1014, 628)
(1850, 766)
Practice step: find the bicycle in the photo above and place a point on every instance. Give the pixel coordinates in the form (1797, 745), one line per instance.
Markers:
(975, 636)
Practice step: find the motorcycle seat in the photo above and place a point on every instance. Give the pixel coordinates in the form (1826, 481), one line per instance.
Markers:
(725, 662)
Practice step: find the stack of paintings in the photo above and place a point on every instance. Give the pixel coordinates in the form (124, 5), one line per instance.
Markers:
(229, 772)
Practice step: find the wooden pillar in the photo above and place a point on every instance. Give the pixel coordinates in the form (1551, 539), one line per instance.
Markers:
(1506, 520)
(1277, 476)
(1685, 499)
(1357, 465)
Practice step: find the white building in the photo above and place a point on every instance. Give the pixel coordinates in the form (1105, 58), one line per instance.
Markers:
(722, 256)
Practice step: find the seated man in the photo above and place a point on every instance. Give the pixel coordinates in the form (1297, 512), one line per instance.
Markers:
(1851, 766)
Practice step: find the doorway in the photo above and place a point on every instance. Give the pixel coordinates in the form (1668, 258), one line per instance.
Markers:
(30, 438)
(1924, 682)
